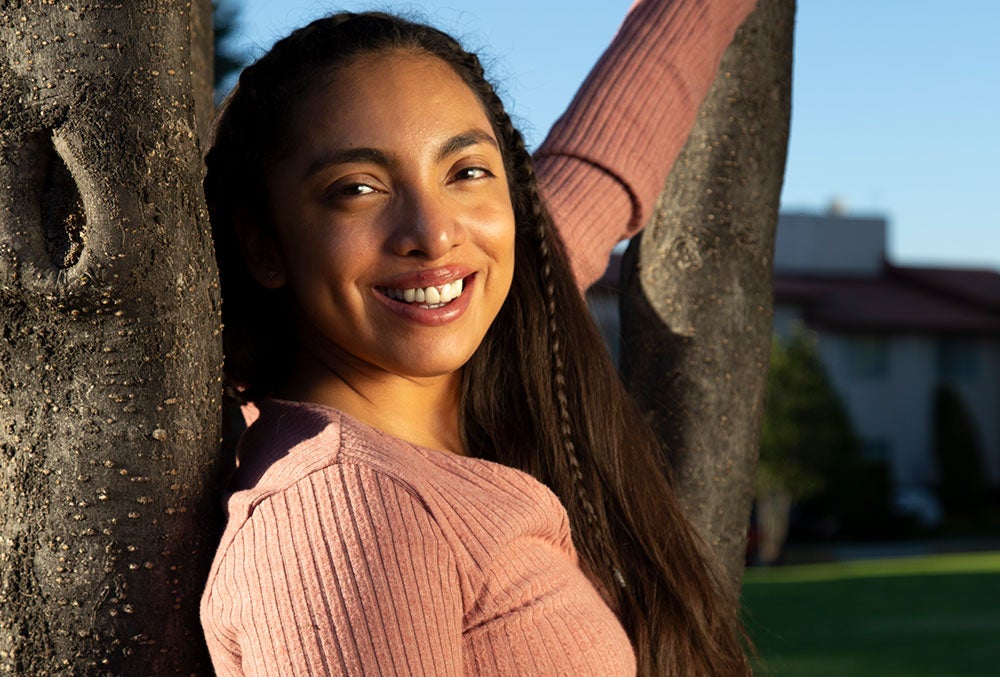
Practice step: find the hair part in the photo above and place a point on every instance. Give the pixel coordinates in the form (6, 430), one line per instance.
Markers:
(556, 410)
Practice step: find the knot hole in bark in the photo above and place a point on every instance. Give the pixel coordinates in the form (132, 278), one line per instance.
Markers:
(61, 209)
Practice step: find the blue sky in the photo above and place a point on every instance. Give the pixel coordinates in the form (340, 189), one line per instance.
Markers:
(894, 110)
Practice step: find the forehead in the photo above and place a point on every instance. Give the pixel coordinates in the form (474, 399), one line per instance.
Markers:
(386, 97)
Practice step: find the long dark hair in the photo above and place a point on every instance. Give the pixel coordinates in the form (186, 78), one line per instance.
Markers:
(540, 393)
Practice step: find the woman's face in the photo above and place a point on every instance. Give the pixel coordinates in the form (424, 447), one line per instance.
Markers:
(393, 221)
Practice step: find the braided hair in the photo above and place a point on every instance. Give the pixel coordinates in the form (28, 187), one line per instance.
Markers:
(539, 394)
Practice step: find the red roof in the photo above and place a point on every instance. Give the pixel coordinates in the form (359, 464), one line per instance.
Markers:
(900, 299)
(979, 286)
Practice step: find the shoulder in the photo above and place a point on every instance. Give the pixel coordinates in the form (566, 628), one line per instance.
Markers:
(326, 536)
(316, 489)
(296, 450)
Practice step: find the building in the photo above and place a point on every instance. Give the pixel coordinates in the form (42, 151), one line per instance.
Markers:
(888, 336)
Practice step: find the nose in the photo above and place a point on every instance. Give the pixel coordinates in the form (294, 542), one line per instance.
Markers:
(428, 226)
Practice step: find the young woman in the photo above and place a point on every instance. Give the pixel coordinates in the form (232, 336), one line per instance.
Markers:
(437, 413)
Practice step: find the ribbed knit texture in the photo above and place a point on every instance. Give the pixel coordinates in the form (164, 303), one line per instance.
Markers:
(348, 551)
(606, 159)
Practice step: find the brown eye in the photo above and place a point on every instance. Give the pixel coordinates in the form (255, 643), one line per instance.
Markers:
(352, 189)
(472, 173)
(348, 190)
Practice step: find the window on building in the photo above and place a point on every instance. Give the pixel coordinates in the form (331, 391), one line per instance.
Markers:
(867, 357)
(958, 358)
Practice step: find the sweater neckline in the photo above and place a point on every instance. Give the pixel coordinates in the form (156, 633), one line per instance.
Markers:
(333, 415)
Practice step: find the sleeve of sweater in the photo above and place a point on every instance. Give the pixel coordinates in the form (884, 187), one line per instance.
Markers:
(344, 573)
(606, 159)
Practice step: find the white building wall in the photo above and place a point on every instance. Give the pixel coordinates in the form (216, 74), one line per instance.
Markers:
(898, 407)
(895, 407)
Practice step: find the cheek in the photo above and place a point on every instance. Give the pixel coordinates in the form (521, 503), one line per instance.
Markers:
(509, 237)
(497, 227)
(502, 250)
(328, 253)
(319, 290)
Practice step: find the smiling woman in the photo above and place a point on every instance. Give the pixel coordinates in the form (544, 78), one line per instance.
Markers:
(373, 203)
(436, 407)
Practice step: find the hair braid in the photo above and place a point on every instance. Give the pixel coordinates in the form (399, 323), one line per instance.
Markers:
(566, 426)
(521, 169)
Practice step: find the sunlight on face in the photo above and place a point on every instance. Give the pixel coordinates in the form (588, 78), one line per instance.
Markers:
(395, 230)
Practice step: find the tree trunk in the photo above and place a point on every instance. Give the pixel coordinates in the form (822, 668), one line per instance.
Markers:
(696, 314)
(110, 354)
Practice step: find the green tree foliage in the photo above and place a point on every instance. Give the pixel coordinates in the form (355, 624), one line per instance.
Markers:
(810, 455)
(958, 449)
(806, 430)
(798, 401)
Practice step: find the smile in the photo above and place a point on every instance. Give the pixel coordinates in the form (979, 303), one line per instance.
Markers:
(426, 297)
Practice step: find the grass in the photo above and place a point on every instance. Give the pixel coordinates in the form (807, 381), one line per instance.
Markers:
(935, 615)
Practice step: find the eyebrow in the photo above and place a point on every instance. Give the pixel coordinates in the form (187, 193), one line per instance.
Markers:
(347, 156)
(375, 156)
(464, 140)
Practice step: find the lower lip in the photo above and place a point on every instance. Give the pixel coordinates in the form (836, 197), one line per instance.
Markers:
(432, 316)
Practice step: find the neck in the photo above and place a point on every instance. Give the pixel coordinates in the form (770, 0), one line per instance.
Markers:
(423, 411)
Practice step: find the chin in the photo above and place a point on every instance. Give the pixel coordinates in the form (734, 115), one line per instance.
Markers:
(430, 371)
(433, 366)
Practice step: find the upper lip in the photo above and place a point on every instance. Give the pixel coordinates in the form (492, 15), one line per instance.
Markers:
(427, 278)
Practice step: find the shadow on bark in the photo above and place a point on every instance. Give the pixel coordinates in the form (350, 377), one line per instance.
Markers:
(697, 302)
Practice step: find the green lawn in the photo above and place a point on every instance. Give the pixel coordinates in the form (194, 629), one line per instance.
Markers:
(934, 615)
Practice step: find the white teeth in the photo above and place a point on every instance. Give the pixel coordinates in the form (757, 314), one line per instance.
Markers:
(433, 297)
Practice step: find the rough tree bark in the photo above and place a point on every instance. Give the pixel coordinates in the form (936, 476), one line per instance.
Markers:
(696, 313)
(110, 353)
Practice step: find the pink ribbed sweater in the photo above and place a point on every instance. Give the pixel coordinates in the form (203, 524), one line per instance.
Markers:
(348, 551)
(354, 552)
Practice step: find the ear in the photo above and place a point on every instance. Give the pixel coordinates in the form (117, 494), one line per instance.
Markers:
(261, 252)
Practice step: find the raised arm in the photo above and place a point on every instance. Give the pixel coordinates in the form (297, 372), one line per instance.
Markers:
(605, 160)
(345, 573)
